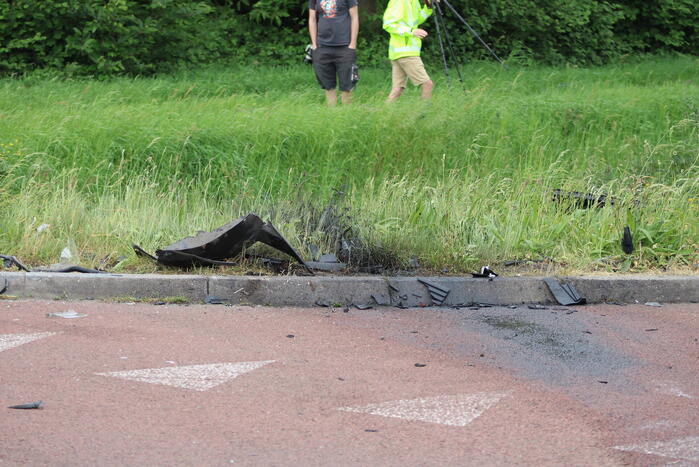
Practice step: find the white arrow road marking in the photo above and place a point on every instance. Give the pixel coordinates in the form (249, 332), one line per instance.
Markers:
(8, 341)
(683, 448)
(197, 377)
(458, 410)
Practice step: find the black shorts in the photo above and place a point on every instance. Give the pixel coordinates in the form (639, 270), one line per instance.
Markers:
(333, 63)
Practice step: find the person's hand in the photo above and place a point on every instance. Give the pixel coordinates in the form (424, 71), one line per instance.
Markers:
(352, 46)
(421, 33)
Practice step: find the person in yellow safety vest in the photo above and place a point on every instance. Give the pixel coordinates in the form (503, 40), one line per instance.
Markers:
(401, 20)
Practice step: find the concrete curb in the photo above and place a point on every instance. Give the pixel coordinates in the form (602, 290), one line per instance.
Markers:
(345, 290)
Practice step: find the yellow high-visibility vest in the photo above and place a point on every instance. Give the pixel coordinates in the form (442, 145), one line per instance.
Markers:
(399, 20)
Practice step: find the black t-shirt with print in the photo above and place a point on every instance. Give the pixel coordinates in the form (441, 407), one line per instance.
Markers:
(334, 22)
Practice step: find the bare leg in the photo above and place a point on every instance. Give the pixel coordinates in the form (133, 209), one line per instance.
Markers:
(331, 97)
(427, 89)
(346, 97)
(394, 94)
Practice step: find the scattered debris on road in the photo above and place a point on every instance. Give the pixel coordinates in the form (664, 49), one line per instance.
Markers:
(420, 365)
(655, 304)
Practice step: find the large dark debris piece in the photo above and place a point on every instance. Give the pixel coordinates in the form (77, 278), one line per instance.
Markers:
(228, 241)
(438, 294)
(565, 294)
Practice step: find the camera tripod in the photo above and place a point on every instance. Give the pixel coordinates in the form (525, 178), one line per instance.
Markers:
(443, 37)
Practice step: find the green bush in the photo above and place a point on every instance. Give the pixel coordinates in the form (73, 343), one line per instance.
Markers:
(106, 37)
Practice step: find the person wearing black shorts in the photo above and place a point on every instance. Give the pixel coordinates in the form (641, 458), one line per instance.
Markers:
(334, 26)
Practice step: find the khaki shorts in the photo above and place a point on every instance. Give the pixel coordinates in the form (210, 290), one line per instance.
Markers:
(408, 67)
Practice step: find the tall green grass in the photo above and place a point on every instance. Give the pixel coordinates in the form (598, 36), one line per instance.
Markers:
(463, 180)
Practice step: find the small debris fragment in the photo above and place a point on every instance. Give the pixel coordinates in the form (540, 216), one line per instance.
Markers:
(290, 336)
(9, 261)
(627, 241)
(655, 304)
(565, 294)
(438, 294)
(362, 306)
(537, 307)
(42, 227)
(420, 365)
(328, 258)
(381, 299)
(32, 405)
(68, 314)
(485, 273)
(587, 332)
(371, 431)
(582, 200)
(159, 303)
(651, 330)
(213, 300)
(603, 382)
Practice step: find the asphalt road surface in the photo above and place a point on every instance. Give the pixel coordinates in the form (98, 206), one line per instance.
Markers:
(134, 384)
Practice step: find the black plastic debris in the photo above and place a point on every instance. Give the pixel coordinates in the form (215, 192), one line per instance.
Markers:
(582, 200)
(70, 268)
(565, 294)
(4, 286)
(420, 365)
(485, 273)
(519, 262)
(214, 300)
(627, 241)
(32, 405)
(211, 248)
(326, 267)
(438, 294)
(363, 306)
(9, 261)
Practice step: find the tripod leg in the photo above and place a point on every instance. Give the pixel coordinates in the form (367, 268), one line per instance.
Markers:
(448, 41)
(437, 18)
(472, 31)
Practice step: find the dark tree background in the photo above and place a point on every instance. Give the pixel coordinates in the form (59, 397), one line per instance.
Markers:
(106, 37)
